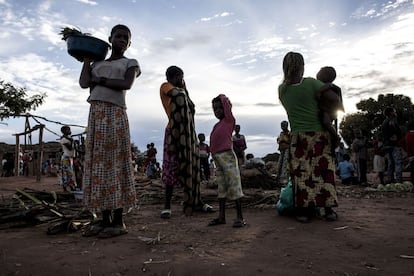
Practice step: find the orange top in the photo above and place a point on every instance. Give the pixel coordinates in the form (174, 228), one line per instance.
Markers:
(166, 99)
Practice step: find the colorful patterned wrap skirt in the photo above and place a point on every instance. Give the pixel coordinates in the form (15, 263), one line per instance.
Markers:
(68, 174)
(108, 180)
(312, 170)
(228, 175)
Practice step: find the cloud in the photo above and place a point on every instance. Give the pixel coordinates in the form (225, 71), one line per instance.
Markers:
(180, 42)
(220, 15)
(381, 9)
(89, 2)
(229, 47)
(40, 76)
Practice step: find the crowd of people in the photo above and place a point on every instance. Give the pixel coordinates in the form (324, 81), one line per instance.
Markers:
(388, 152)
(314, 149)
(310, 152)
(108, 179)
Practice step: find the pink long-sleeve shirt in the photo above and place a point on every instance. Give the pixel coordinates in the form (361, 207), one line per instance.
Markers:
(221, 135)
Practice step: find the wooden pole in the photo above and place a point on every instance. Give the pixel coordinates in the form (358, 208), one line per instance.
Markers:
(36, 167)
(40, 154)
(17, 157)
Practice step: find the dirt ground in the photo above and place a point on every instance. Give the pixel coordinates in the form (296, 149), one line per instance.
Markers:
(373, 236)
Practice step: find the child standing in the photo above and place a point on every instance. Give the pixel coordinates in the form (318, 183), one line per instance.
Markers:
(68, 174)
(284, 141)
(379, 160)
(360, 151)
(239, 145)
(227, 169)
(108, 180)
(204, 156)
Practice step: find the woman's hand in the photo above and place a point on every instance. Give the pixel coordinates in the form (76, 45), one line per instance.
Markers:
(175, 91)
(98, 81)
(87, 60)
(95, 80)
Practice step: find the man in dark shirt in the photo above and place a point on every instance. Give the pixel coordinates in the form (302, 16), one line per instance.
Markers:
(391, 133)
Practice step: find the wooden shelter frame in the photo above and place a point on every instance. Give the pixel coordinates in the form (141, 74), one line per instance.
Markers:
(29, 130)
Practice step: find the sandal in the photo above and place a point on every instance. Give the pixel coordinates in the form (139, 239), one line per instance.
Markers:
(208, 208)
(111, 232)
(303, 219)
(92, 230)
(216, 221)
(239, 223)
(166, 214)
(331, 215)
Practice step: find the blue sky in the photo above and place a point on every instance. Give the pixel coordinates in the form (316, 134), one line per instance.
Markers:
(233, 47)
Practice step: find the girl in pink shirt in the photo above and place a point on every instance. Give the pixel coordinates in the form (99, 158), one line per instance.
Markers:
(227, 168)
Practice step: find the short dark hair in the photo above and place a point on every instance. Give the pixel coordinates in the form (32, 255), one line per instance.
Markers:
(216, 99)
(173, 71)
(326, 74)
(388, 111)
(347, 157)
(64, 127)
(120, 27)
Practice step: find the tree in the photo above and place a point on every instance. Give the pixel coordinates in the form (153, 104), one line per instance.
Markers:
(370, 116)
(14, 101)
(350, 123)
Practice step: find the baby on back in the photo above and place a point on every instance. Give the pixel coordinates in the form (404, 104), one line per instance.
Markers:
(330, 100)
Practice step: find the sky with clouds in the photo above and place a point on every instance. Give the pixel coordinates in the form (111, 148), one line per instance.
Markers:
(233, 47)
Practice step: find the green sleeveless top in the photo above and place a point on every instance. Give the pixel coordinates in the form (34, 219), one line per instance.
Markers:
(301, 106)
